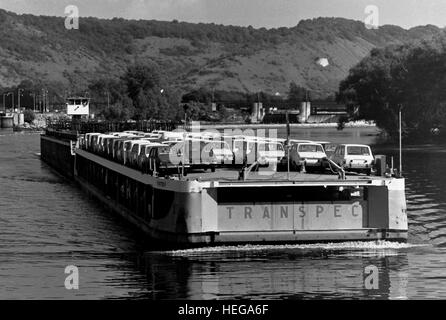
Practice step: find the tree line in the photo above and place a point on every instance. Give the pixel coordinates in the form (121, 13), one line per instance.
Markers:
(411, 77)
(143, 92)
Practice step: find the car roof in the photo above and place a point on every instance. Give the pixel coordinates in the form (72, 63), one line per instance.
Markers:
(158, 145)
(354, 145)
(299, 141)
(141, 142)
(254, 139)
(310, 143)
(269, 141)
(106, 136)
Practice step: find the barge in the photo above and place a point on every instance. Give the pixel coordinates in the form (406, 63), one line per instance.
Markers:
(210, 208)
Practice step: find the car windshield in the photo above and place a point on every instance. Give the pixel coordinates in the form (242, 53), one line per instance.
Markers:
(310, 148)
(330, 147)
(358, 151)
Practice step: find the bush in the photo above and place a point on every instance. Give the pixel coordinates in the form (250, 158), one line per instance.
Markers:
(116, 112)
(29, 116)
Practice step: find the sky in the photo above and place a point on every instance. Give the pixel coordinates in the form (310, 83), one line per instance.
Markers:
(257, 13)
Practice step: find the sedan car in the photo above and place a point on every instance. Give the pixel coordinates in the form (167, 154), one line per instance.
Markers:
(354, 157)
(309, 155)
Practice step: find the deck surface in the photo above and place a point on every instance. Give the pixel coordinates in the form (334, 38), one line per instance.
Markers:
(233, 175)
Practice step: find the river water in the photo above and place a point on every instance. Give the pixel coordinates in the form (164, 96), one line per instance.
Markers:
(47, 224)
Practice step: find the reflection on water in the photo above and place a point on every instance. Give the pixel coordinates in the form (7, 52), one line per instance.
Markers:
(423, 166)
(293, 273)
(47, 223)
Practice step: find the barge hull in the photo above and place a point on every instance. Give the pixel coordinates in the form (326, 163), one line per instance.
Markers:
(200, 212)
(247, 236)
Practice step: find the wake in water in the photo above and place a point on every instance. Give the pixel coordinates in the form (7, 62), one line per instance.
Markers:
(338, 246)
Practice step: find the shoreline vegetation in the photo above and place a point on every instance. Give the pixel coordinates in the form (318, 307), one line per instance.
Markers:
(409, 78)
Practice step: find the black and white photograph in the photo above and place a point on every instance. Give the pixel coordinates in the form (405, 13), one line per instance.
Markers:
(224, 151)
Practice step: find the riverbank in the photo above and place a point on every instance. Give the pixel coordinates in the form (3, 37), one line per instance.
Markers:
(368, 134)
(38, 123)
(217, 126)
(28, 128)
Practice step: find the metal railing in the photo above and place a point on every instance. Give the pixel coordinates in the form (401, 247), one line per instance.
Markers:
(81, 127)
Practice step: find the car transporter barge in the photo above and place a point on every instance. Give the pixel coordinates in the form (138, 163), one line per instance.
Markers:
(206, 208)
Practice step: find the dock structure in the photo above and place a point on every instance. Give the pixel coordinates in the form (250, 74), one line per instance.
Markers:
(205, 208)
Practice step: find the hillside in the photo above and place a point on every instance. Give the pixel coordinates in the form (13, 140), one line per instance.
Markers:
(192, 55)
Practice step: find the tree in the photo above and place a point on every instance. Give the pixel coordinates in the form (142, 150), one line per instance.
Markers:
(200, 95)
(107, 90)
(412, 76)
(151, 96)
(29, 116)
(296, 93)
(368, 86)
(142, 76)
(116, 112)
(197, 111)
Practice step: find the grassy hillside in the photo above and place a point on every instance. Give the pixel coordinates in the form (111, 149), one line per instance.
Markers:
(192, 55)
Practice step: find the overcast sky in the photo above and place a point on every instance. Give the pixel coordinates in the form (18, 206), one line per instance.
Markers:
(258, 13)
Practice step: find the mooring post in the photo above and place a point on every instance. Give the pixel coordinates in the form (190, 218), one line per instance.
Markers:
(400, 140)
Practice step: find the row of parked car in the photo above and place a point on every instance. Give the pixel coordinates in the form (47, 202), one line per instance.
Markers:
(321, 155)
(166, 151)
(159, 150)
